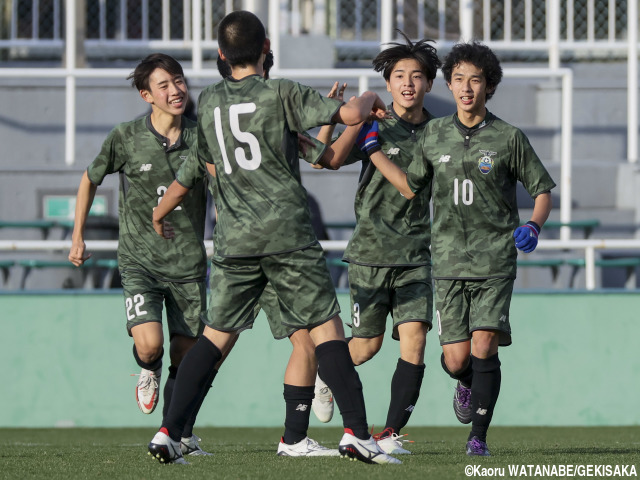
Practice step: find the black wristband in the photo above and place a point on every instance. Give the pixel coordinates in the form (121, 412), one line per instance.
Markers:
(535, 225)
(373, 150)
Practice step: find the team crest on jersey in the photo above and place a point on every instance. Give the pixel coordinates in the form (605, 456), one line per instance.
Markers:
(485, 163)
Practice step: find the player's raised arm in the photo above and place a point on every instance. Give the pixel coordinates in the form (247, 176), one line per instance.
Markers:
(170, 200)
(360, 109)
(84, 200)
(369, 144)
(335, 156)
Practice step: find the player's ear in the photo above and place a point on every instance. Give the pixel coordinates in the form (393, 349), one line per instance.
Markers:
(429, 85)
(146, 96)
(267, 46)
(221, 55)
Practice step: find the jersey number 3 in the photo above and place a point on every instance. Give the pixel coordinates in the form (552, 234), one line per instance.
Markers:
(243, 137)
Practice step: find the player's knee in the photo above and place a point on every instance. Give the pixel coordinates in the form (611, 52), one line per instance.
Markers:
(147, 353)
(453, 365)
(363, 349)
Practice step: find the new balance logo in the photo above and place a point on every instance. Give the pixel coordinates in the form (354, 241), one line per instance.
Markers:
(481, 411)
(503, 318)
(302, 407)
(145, 167)
(393, 151)
(410, 408)
(444, 158)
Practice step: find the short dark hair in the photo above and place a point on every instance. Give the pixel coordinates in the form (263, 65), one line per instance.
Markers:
(241, 37)
(140, 76)
(225, 70)
(478, 55)
(425, 54)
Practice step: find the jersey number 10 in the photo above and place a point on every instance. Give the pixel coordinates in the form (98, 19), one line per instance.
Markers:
(466, 194)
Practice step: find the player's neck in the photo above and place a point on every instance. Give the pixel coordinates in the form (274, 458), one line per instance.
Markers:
(169, 126)
(414, 115)
(240, 72)
(472, 118)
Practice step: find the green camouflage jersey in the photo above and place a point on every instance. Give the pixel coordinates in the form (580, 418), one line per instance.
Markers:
(248, 129)
(390, 230)
(475, 172)
(147, 167)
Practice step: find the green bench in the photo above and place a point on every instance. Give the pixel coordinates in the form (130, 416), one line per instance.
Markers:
(43, 225)
(5, 266)
(553, 264)
(104, 267)
(587, 226)
(629, 264)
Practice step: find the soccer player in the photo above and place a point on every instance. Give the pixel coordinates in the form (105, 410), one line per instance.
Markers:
(473, 161)
(388, 253)
(147, 153)
(247, 130)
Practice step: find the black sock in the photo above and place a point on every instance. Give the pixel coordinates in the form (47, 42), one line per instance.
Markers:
(465, 376)
(188, 427)
(168, 389)
(337, 370)
(155, 365)
(405, 390)
(298, 404)
(484, 394)
(193, 373)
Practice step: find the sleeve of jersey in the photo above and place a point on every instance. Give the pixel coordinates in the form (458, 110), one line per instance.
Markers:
(313, 152)
(418, 176)
(529, 168)
(191, 171)
(111, 158)
(304, 107)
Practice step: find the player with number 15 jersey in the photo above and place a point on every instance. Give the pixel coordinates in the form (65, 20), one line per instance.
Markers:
(254, 147)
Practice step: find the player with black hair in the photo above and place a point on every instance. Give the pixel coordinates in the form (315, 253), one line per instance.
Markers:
(388, 253)
(147, 153)
(247, 132)
(472, 161)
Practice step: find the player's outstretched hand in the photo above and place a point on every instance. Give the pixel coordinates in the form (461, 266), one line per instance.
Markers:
(337, 92)
(77, 253)
(367, 140)
(526, 237)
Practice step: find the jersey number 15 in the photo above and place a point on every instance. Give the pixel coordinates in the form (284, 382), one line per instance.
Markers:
(243, 137)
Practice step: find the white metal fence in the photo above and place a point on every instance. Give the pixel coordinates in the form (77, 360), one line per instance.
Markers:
(589, 248)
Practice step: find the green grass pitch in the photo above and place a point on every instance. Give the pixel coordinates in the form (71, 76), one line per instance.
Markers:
(249, 453)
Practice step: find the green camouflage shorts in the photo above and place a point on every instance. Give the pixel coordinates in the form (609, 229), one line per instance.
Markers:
(463, 306)
(300, 280)
(404, 292)
(145, 296)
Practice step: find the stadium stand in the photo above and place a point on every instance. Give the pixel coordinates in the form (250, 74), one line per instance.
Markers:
(604, 181)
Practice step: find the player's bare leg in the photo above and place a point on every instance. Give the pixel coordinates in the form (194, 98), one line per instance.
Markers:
(364, 349)
(148, 342)
(299, 379)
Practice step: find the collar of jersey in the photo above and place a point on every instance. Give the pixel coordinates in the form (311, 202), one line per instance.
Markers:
(164, 139)
(408, 125)
(486, 121)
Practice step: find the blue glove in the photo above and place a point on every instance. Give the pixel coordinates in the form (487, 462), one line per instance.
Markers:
(367, 140)
(526, 237)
